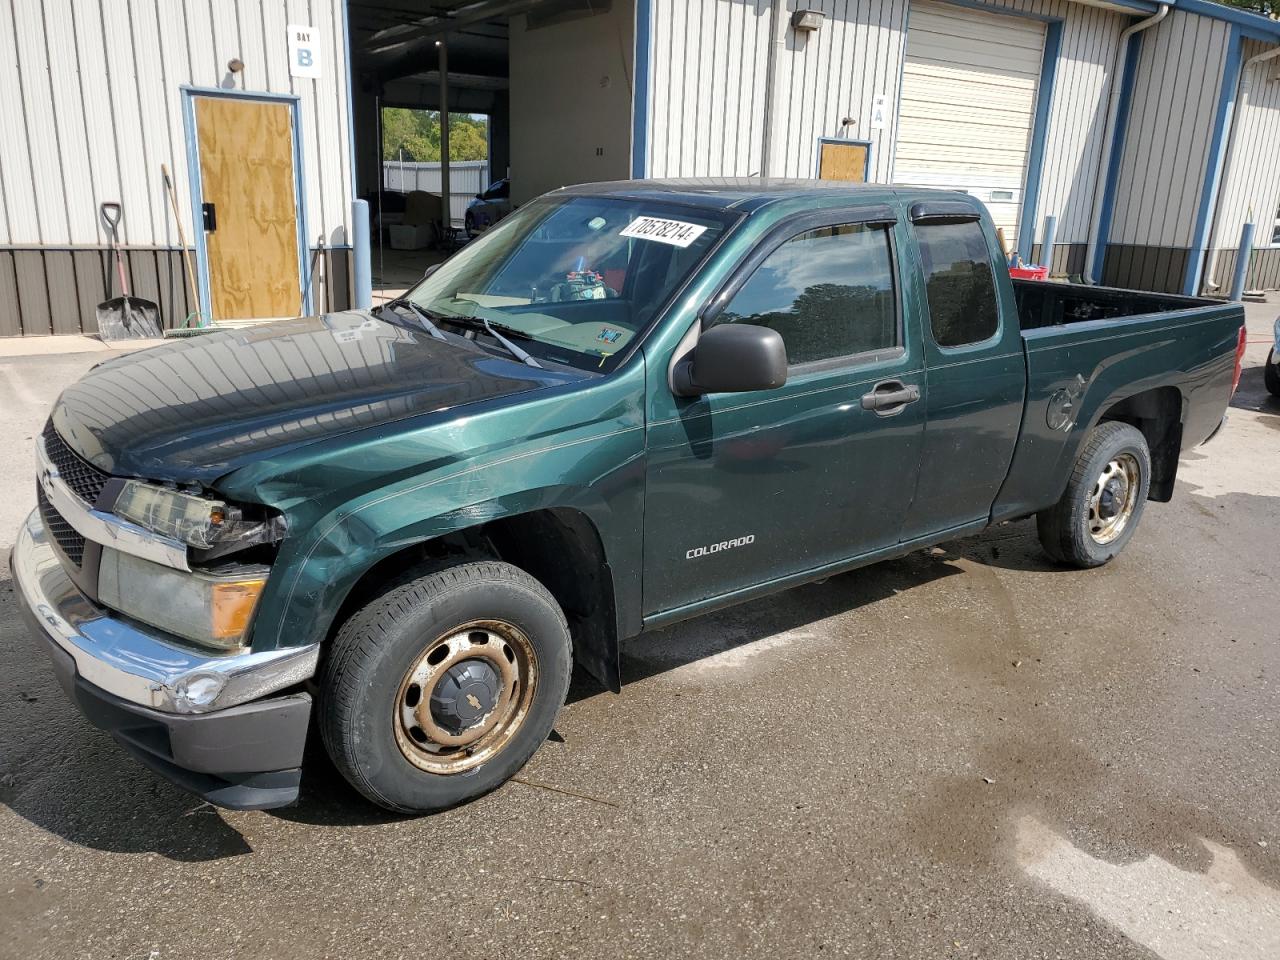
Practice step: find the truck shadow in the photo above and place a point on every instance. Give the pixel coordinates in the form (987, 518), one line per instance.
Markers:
(71, 780)
(1253, 394)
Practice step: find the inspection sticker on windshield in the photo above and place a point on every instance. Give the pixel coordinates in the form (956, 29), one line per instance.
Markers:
(675, 232)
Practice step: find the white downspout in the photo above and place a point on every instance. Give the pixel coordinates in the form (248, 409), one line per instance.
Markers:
(1108, 141)
(778, 15)
(1242, 101)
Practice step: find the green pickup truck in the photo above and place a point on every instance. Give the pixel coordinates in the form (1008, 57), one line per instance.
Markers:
(625, 405)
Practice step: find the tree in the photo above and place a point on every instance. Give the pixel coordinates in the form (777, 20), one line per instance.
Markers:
(417, 134)
(1269, 8)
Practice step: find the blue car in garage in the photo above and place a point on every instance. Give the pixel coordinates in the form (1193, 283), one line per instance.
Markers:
(488, 207)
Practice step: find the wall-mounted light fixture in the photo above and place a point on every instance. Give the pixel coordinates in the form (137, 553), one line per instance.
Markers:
(807, 21)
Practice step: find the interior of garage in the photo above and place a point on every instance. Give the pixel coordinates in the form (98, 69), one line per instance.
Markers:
(552, 80)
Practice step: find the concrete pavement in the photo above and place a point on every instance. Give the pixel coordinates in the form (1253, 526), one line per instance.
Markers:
(964, 753)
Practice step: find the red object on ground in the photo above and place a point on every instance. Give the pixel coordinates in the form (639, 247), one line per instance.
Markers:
(1029, 273)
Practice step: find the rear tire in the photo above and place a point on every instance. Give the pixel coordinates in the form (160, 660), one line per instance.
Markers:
(441, 688)
(1103, 503)
(1271, 374)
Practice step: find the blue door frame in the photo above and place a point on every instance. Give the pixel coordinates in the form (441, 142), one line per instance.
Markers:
(189, 95)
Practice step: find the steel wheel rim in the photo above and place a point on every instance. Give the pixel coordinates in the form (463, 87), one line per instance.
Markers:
(424, 738)
(1113, 498)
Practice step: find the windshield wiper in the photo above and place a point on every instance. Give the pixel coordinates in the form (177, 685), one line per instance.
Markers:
(519, 354)
(489, 328)
(422, 315)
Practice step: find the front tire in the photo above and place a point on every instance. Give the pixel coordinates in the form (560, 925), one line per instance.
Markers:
(470, 223)
(1103, 503)
(441, 688)
(1271, 374)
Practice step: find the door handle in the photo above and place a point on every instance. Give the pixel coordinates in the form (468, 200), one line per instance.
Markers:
(209, 213)
(889, 397)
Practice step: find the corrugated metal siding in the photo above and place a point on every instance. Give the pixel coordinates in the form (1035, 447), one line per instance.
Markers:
(1077, 116)
(701, 47)
(1170, 127)
(91, 108)
(1251, 188)
(1263, 272)
(836, 74)
(47, 291)
(821, 79)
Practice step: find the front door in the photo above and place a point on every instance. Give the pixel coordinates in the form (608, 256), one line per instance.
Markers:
(249, 202)
(747, 488)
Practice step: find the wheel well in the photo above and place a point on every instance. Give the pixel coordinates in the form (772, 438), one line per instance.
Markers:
(1158, 414)
(560, 548)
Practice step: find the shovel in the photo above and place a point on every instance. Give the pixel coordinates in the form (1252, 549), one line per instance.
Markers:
(124, 317)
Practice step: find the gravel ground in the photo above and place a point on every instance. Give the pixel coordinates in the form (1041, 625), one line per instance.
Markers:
(962, 753)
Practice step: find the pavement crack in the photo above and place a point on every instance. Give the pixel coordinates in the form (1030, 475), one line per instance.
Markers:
(567, 793)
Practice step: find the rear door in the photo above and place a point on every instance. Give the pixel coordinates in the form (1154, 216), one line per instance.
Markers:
(747, 488)
(975, 370)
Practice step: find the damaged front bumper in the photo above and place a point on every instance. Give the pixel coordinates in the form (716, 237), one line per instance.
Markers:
(208, 723)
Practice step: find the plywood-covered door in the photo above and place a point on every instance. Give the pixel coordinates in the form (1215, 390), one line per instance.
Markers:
(249, 195)
(843, 160)
(968, 104)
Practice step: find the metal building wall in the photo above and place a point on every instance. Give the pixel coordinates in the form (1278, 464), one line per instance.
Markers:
(707, 108)
(1251, 186)
(1082, 89)
(707, 95)
(91, 108)
(1166, 152)
(836, 73)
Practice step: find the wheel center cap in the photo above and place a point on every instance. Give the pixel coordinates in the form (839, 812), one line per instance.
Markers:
(466, 693)
(1112, 498)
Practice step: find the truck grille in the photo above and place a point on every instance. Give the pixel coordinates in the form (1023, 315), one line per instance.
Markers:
(64, 535)
(81, 476)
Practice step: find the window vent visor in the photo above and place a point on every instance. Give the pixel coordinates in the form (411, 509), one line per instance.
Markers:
(944, 211)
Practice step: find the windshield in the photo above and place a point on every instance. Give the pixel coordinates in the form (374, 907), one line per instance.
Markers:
(576, 278)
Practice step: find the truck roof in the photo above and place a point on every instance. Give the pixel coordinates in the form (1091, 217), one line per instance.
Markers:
(739, 193)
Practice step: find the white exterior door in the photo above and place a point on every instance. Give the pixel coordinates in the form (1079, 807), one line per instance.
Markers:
(968, 105)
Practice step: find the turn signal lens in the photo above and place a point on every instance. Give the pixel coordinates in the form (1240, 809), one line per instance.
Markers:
(233, 605)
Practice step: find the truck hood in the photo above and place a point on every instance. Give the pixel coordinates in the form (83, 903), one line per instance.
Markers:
(198, 408)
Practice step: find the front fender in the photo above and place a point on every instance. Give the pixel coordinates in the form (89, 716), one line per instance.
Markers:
(353, 500)
(600, 474)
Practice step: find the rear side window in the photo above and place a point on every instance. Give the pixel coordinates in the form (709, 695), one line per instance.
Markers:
(958, 282)
(829, 292)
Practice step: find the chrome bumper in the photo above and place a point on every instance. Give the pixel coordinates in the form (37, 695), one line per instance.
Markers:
(139, 667)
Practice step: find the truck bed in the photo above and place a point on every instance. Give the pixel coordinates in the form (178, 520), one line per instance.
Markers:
(1043, 304)
(1094, 352)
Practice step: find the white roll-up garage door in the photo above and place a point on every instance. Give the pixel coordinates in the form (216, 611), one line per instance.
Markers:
(968, 104)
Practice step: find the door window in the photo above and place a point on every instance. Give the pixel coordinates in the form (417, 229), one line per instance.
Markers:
(959, 285)
(829, 292)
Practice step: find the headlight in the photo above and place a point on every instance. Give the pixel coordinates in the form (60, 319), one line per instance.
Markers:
(180, 516)
(214, 608)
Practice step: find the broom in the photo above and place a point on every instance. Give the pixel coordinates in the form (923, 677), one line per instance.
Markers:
(201, 326)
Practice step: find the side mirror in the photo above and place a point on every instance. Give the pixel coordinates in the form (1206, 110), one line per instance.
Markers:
(732, 358)
(479, 196)
(430, 270)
